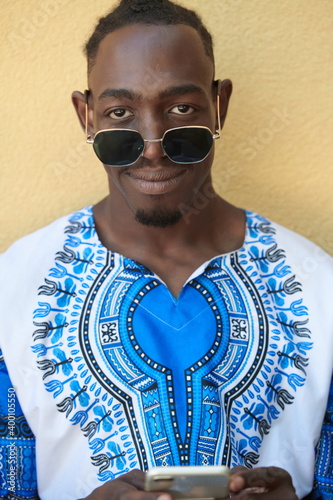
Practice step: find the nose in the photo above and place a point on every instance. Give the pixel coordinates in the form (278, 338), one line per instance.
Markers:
(153, 149)
(152, 127)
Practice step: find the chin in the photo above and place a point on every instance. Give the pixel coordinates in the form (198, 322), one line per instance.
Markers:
(158, 217)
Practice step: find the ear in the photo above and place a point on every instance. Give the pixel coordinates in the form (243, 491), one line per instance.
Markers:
(224, 90)
(79, 102)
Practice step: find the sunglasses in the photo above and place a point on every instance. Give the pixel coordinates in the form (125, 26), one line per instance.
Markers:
(120, 147)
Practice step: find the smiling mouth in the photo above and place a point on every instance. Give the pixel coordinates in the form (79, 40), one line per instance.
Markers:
(156, 181)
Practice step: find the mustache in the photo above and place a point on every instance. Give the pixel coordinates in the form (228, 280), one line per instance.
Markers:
(145, 164)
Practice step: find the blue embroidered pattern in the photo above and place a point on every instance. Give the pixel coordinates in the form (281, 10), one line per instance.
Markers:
(199, 380)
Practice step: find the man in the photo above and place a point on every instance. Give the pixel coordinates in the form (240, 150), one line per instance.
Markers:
(142, 331)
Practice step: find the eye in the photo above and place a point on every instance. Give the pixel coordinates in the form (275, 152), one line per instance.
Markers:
(182, 109)
(120, 113)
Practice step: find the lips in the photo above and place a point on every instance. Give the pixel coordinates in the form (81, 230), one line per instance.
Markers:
(156, 181)
(155, 176)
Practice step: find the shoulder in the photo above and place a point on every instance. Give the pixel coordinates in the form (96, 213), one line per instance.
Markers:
(306, 261)
(32, 254)
(294, 244)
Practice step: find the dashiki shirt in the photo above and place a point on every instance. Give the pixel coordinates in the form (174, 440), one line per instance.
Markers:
(104, 371)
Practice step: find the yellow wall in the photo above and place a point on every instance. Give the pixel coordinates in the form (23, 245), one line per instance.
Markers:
(276, 155)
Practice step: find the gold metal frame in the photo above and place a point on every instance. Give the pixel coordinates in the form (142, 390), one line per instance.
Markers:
(218, 92)
(89, 139)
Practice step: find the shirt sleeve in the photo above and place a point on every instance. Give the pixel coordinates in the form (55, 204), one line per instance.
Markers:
(323, 481)
(17, 445)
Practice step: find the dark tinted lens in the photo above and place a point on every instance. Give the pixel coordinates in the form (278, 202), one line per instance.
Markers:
(188, 145)
(118, 148)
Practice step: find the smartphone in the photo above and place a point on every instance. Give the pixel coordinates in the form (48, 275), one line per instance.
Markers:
(190, 482)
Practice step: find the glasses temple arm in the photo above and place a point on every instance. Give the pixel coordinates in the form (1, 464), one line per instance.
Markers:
(89, 139)
(218, 84)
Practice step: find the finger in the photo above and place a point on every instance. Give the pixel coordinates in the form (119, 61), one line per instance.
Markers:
(264, 478)
(238, 468)
(135, 478)
(236, 480)
(122, 490)
(133, 484)
(282, 492)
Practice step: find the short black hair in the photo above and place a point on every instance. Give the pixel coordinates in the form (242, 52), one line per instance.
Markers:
(148, 12)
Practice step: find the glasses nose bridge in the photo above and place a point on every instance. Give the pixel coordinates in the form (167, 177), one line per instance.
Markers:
(153, 140)
(147, 141)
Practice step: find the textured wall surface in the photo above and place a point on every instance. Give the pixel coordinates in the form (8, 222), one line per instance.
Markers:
(276, 154)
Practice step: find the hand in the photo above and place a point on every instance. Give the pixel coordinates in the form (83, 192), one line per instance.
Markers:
(130, 486)
(266, 483)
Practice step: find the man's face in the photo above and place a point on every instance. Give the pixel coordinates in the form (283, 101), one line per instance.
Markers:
(151, 79)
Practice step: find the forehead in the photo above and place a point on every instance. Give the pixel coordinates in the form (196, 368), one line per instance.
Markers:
(146, 58)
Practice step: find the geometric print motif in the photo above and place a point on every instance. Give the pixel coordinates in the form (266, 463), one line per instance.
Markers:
(155, 380)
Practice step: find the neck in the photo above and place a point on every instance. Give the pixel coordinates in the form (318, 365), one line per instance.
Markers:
(207, 221)
(173, 252)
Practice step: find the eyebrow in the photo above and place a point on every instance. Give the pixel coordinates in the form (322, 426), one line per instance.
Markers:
(180, 90)
(118, 94)
(177, 90)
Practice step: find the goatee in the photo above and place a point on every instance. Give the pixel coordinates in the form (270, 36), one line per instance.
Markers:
(158, 217)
